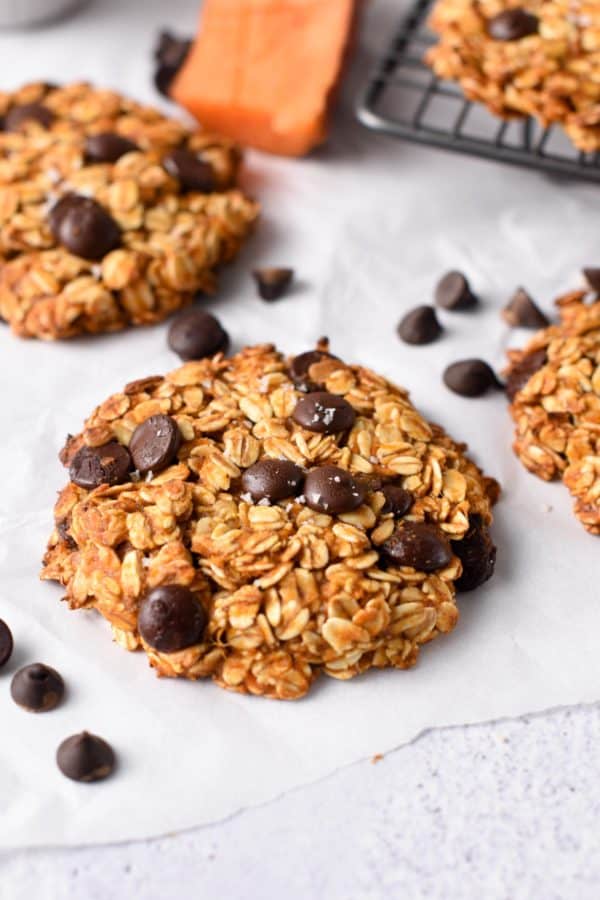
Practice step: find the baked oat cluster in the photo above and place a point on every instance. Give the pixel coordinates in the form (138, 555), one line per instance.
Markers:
(261, 520)
(554, 386)
(111, 214)
(525, 58)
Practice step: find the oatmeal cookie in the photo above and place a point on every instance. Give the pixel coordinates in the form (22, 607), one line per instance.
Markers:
(535, 58)
(261, 520)
(554, 387)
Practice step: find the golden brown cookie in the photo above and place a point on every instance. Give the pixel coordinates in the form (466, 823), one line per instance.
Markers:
(261, 520)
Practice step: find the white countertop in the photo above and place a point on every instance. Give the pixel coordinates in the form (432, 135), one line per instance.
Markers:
(506, 810)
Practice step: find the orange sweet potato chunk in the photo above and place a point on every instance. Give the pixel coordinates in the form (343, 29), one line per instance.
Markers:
(263, 71)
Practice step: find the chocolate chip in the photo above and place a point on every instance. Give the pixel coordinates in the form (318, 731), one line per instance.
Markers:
(416, 544)
(195, 334)
(93, 466)
(273, 479)
(521, 372)
(522, 312)
(85, 757)
(108, 147)
(84, 227)
(477, 554)
(6, 643)
(300, 369)
(420, 326)
(192, 172)
(154, 444)
(592, 276)
(170, 54)
(171, 619)
(272, 283)
(512, 24)
(28, 112)
(37, 688)
(324, 413)
(470, 377)
(454, 292)
(398, 501)
(332, 490)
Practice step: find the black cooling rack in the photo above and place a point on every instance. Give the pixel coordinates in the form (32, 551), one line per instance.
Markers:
(404, 98)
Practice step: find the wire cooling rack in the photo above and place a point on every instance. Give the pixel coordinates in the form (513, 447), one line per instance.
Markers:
(404, 98)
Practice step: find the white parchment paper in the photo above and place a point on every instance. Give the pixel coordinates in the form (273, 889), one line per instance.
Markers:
(369, 224)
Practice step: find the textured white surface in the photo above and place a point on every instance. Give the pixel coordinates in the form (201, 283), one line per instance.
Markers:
(507, 821)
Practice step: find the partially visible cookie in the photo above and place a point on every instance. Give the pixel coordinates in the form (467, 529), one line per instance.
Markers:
(554, 385)
(525, 58)
(234, 525)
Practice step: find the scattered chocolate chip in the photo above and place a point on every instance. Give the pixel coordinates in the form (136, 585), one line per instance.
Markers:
(28, 112)
(195, 334)
(273, 479)
(93, 466)
(324, 413)
(300, 369)
(592, 276)
(521, 372)
(6, 643)
(272, 283)
(85, 757)
(154, 444)
(512, 24)
(398, 501)
(416, 544)
(521, 311)
(107, 147)
(332, 490)
(37, 688)
(453, 292)
(477, 554)
(470, 377)
(170, 54)
(171, 619)
(84, 227)
(420, 326)
(192, 172)
(63, 529)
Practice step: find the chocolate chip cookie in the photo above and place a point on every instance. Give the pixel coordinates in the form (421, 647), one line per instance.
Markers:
(525, 58)
(266, 519)
(554, 387)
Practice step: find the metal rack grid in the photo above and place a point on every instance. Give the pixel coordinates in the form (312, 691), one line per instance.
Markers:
(404, 98)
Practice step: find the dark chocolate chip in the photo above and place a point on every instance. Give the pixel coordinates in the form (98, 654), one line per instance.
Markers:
(63, 530)
(108, 147)
(324, 413)
(170, 54)
(171, 619)
(416, 544)
(512, 24)
(154, 444)
(272, 283)
(470, 377)
(93, 466)
(477, 554)
(195, 334)
(332, 490)
(84, 227)
(273, 479)
(454, 292)
(6, 643)
(37, 688)
(398, 501)
(521, 311)
(85, 757)
(192, 172)
(420, 326)
(300, 369)
(592, 276)
(521, 372)
(28, 112)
